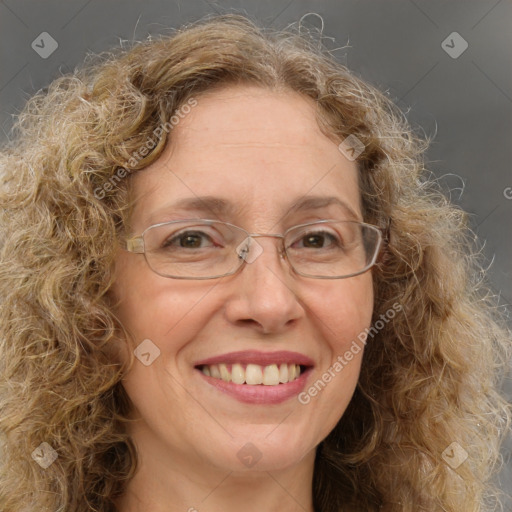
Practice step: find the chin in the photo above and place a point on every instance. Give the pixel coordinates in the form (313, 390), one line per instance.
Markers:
(260, 453)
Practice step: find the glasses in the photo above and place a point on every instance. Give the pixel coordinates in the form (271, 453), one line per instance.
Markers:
(210, 249)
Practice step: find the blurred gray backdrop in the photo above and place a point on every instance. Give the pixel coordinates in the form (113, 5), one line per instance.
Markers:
(447, 63)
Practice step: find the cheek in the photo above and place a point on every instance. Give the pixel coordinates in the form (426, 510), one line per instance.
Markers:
(151, 307)
(344, 310)
(342, 314)
(159, 313)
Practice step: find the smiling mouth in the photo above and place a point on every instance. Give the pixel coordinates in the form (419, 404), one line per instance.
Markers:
(254, 374)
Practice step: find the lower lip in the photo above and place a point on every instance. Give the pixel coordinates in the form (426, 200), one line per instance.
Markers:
(260, 394)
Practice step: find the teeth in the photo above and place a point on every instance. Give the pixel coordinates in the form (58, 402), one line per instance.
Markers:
(224, 374)
(237, 374)
(291, 372)
(271, 375)
(283, 373)
(253, 374)
(214, 371)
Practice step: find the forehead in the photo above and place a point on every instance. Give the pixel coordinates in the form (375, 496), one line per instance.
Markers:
(252, 147)
(249, 114)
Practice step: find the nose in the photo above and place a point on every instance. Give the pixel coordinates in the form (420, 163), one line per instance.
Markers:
(265, 291)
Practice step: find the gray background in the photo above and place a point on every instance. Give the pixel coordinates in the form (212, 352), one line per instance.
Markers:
(466, 102)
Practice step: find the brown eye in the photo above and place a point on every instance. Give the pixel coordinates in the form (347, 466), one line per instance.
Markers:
(189, 240)
(317, 240)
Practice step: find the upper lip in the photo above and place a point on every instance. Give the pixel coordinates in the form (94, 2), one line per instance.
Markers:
(258, 357)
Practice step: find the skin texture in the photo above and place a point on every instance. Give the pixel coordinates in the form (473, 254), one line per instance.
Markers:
(263, 151)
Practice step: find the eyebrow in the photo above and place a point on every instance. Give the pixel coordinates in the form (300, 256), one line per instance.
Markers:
(220, 207)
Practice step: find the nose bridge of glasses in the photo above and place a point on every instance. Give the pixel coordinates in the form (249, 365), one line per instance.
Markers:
(257, 249)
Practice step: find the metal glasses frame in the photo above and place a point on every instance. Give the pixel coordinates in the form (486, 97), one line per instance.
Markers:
(135, 244)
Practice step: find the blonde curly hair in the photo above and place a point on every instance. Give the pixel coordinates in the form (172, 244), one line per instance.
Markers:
(429, 378)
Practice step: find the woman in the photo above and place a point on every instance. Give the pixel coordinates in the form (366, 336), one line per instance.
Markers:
(155, 356)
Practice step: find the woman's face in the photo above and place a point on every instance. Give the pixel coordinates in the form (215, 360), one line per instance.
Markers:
(262, 153)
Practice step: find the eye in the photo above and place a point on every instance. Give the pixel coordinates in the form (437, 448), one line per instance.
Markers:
(189, 240)
(317, 240)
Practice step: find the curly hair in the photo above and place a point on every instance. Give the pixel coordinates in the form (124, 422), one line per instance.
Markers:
(430, 377)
